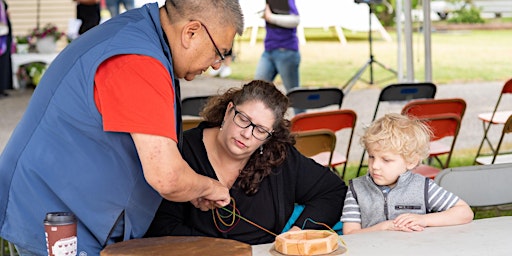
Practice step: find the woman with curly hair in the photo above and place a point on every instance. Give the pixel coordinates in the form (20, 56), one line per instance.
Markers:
(246, 144)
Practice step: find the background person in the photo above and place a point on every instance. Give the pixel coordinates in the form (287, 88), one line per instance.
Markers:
(113, 6)
(281, 55)
(390, 196)
(102, 132)
(246, 144)
(88, 11)
(5, 51)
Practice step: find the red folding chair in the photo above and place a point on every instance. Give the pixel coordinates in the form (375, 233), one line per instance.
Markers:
(443, 126)
(427, 108)
(335, 121)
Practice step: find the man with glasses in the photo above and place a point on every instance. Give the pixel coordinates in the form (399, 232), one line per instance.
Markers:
(101, 136)
(245, 143)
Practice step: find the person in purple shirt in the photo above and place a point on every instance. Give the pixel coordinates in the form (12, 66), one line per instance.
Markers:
(281, 55)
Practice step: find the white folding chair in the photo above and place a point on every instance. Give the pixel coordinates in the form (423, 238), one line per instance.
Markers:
(479, 185)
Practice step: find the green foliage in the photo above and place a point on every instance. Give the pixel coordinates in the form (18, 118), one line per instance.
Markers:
(467, 15)
(22, 39)
(30, 74)
(386, 12)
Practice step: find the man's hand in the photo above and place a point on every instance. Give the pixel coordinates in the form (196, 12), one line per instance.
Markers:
(217, 198)
(219, 194)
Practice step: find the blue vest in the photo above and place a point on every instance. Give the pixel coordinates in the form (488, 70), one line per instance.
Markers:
(59, 158)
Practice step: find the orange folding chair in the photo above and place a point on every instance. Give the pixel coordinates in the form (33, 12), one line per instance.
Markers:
(443, 126)
(335, 121)
(494, 118)
(427, 107)
(189, 123)
(315, 143)
(401, 92)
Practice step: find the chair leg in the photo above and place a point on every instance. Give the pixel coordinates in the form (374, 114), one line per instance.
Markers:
(12, 250)
(361, 164)
(484, 140)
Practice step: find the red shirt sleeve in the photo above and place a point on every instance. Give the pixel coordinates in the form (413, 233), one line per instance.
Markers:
(134, 94)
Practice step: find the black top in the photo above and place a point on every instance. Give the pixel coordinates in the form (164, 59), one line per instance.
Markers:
(298, 180)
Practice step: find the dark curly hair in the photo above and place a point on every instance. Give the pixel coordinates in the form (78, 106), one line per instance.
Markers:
(259, 165)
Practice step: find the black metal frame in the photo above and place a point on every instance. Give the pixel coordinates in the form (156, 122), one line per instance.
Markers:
(369, 63)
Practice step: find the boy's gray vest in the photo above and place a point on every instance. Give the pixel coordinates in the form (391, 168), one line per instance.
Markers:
(60, 159)
(410, 195)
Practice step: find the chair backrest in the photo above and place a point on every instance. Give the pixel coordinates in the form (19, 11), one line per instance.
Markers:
(311, 98)
(405, 92)
(334, 120)
(191, 106)
(443, 126)
(312, 142)
(189, 123)
(428, 107)
(481, 185)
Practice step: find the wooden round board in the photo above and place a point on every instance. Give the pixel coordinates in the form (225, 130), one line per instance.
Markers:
(178, 245)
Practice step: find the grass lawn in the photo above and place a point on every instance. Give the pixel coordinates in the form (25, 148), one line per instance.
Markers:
(457, 57)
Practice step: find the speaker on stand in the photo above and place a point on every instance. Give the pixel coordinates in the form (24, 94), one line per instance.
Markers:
(371, 61)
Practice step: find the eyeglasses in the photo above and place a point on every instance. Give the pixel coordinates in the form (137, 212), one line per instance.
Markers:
(222, 57)
(242, 121)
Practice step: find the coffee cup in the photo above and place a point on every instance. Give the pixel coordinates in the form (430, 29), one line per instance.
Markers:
(60, 232)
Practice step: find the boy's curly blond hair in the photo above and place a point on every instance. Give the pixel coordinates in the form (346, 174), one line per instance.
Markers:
(404, 135)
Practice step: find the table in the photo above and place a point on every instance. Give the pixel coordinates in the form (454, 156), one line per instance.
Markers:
(18, 59)
(490, 236)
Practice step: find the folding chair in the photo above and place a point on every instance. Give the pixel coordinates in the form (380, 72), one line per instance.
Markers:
(494, 118)
(192, 106)
(479, 186)
(314, 142)
(428, 107)
(311, 98)
(334, 120)
(401, 92)
(499, 157)
(189, 123)
(425, 108)
(442, 126)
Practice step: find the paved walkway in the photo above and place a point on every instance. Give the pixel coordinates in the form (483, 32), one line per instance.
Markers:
(480, 97)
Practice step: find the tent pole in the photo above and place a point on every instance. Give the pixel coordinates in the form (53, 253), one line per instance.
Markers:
(400, 62)
(408, 41)
(428, 40)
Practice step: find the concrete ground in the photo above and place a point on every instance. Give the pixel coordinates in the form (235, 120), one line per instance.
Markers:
(479, 96)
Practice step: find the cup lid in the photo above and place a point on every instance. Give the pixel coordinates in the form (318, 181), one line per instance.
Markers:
(59, 218)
